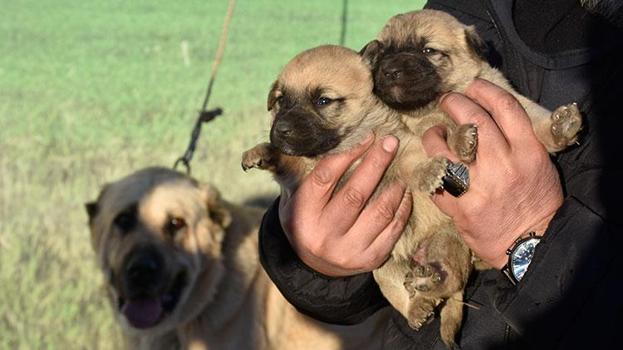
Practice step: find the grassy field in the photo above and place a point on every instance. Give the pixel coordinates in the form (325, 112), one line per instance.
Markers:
(92, 90)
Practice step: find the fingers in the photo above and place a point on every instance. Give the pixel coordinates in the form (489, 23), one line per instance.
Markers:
(380, 248)
(435, 144)
(507, 112)
(465, 111)
(318, 186)
(378, 215)
(345, 206)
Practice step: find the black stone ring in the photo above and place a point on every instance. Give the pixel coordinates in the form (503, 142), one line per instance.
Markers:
(456, 180)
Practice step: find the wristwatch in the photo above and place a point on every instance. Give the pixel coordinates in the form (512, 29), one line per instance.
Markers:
(520, 256)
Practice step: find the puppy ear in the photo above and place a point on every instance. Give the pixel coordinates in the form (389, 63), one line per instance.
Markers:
(475, 44)
(371, 52)
(272, 96)
(217, 210)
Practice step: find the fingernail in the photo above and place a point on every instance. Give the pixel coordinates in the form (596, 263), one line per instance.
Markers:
(367, 139)
(442, 97)
(390, 143)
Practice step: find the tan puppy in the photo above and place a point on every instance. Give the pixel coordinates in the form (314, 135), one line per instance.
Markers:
(422, 54)
(322, 103)
(183, 272)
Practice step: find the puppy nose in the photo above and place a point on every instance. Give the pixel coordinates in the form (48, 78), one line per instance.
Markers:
(392, 73)
(283, 129)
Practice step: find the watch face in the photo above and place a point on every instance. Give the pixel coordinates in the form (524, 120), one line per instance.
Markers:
(522, 256)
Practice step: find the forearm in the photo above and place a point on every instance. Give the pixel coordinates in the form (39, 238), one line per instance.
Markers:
(345, 300)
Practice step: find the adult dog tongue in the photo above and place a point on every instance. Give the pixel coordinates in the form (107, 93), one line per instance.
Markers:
(143, 313)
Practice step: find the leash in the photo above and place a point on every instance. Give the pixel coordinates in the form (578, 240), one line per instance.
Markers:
(206, 115)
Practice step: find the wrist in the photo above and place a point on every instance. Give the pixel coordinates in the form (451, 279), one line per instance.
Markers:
(539, 227)
(520, 257)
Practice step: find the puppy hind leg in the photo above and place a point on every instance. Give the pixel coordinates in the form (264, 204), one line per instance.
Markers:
(421, 310)
(451, 317)
(445, 260)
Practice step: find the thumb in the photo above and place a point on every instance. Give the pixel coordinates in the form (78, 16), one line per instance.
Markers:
(435, 144)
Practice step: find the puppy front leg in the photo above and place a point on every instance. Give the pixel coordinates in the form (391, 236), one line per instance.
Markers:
(556, 130)
(463, 141)
(427, 176)
(263, 156)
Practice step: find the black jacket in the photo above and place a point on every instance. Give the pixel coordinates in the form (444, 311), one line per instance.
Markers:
(572, 295)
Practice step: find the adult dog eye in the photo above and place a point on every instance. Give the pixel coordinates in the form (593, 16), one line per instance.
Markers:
(323, 101)
(126, 220)
(174, 225)
(429, 51)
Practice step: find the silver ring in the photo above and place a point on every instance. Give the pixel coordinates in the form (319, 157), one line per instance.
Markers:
(456, 180)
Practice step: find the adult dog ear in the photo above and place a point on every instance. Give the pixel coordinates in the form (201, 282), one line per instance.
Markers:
(92, 208)
(272, 96)
(475, 44)
(217, 210)
(371, 53)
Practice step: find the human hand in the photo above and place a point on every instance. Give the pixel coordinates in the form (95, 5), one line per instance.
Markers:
(342, 234)
(514, 186)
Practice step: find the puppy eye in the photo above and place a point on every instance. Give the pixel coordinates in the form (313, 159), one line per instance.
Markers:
(323, 101)
(174, 225)
(429, 51)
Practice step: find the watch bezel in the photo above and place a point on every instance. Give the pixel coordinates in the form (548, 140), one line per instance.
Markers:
(511, 269)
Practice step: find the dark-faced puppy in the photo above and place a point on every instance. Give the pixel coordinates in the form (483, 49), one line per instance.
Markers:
(421, 55)
(323, 103)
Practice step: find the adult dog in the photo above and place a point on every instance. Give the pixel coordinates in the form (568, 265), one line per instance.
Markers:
(182, 271)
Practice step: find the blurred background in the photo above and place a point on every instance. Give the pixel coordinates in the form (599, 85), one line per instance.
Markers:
(93, 90)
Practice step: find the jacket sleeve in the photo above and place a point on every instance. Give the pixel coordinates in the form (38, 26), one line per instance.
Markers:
(572, 285)
(346, 300)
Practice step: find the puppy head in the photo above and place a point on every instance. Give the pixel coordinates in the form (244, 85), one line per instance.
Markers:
(318, 101)
(158, 236)
(420, 55)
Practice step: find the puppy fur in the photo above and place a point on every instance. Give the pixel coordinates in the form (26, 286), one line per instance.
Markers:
(182, 271)
(323, 103)
(420, 55)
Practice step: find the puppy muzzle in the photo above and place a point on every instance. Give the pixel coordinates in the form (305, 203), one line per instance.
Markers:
(301, 133)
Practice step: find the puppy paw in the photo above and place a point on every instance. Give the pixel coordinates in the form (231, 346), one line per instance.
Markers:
(423, 278)
(465, 142)
(429, 176)
(261, 156)
(566, 124)
(420, 313)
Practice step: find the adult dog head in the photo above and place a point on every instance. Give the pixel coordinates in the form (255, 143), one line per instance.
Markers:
(420, 55)
(321, 101)
(158, 234)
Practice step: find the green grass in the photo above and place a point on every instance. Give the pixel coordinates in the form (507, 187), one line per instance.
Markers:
(90, 91)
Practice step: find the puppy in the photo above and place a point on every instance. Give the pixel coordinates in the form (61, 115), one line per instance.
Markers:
(323, 103)
(421, 55)
(183, 272)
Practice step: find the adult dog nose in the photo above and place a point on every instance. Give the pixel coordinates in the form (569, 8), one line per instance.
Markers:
(144, 271)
